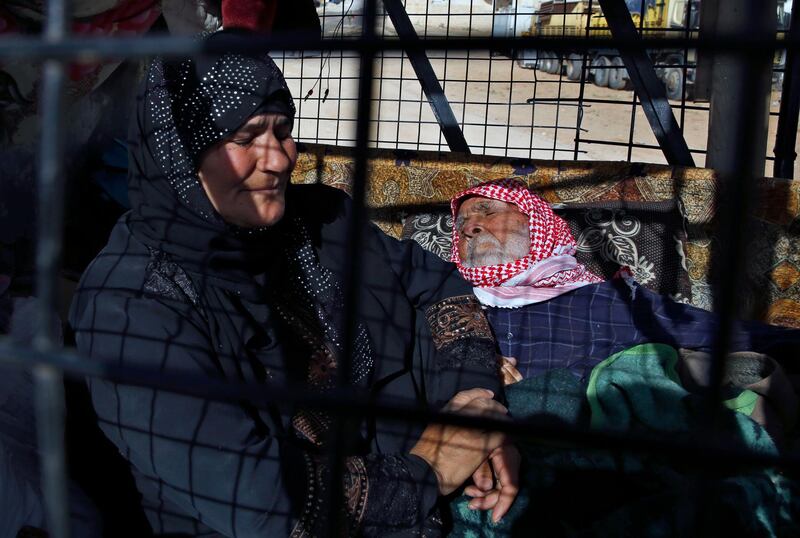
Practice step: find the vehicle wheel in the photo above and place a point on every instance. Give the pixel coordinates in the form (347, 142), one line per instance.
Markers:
(552, 63)
(527, 59)
(543, 61)
(574, 67)
(673, 80)
(618, 77)
(558, 64)
(602, 67)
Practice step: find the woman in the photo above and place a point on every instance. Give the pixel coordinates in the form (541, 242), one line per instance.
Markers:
(221, 269)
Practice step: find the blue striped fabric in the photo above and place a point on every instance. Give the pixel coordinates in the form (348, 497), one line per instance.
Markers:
(579, 329)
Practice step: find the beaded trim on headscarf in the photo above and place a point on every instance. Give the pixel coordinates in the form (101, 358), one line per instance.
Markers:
(549, 234)
(316, 289)
(231, 83)
(311, 303)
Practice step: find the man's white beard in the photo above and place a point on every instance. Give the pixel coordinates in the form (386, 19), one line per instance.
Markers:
(485, 249)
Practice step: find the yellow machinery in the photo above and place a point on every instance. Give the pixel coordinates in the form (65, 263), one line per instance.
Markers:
(664, 18)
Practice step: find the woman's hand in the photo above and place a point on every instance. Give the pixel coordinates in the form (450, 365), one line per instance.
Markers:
(455, 452)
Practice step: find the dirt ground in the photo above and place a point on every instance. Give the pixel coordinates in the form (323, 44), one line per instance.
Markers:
(489, 96)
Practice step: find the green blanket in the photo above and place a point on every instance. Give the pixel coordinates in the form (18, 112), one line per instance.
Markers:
(571, 491)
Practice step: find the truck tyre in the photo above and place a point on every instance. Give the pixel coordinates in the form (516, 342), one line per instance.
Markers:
(527, 59)
(673, 81)
(554, 65)
(544, 61)
(602, 65)
(618, 77)
(574, 67)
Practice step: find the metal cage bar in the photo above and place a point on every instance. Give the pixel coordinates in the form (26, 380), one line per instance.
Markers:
(56, 47)
(49, 401)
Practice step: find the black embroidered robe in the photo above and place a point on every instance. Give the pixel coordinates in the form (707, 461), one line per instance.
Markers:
(210, 468)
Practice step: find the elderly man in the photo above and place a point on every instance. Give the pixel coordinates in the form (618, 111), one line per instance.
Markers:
(549, 311)
(606, 355)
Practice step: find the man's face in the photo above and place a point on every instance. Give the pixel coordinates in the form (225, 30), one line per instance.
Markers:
(491, 232)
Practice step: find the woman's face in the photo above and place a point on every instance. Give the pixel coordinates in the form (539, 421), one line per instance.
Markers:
(245, 175)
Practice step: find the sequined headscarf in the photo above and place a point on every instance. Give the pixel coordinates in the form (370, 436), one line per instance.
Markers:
(183, 108)
(548, 269)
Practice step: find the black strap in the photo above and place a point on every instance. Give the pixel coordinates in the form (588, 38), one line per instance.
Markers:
(648, 86)
(786, 136)
(427, 78)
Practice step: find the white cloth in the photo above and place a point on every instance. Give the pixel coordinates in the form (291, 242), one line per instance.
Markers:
(520, 290)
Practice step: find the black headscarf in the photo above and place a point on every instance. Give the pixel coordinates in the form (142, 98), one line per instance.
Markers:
(184, 108)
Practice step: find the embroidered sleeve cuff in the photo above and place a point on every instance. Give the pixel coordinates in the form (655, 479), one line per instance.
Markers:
(427, 484)
(466, 353)
(455, 319)
(402, 493)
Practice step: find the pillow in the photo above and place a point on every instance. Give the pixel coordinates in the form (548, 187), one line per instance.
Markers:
(433, 231)
(647, 237)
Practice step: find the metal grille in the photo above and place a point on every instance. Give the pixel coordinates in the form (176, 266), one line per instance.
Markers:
(503, 108)
(489, 95)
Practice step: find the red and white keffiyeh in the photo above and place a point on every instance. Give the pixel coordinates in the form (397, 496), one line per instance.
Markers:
(550, 267)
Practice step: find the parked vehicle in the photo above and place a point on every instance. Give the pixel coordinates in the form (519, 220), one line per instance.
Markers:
(656, 18)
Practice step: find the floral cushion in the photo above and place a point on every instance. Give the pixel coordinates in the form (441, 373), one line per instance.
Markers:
(646, 237)
(403, 182)
(433, 231)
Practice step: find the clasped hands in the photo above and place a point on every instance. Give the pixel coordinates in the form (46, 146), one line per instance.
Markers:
(456, 453)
